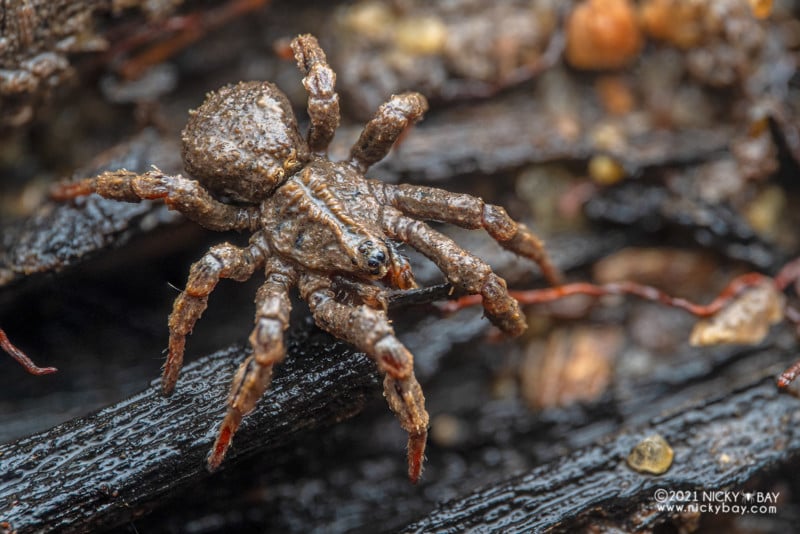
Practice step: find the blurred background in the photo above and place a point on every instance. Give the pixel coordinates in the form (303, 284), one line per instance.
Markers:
(655, 141)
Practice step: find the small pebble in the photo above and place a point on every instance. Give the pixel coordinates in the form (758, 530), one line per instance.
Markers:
(651, 455)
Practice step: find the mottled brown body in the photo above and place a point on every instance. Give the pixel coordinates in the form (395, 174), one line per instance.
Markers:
(325, 219)
(316, 225)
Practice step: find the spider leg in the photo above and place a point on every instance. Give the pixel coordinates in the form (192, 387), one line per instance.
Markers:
(469, 212)
(361, 325)
(182, 194)
(406, 400)
(254, 375)
(319, 81)
(380, 133)
(369, 330)
(461, 268)
(222, 261)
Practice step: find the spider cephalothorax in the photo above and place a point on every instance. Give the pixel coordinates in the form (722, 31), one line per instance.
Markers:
(314, 221)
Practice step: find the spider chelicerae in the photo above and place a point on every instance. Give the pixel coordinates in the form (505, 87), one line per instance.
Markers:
(318, 225)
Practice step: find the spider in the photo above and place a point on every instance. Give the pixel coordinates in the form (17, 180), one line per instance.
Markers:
(319, 226)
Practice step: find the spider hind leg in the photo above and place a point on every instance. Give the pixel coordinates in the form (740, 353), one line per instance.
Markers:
(273, 306)
(369, 330)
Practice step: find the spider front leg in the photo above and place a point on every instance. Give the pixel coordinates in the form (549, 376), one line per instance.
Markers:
(222, 261)
(380, 133)
(369, 330)
(254, 375)
(461, 268)
(178, 193)
(323, 102)
(469, 212)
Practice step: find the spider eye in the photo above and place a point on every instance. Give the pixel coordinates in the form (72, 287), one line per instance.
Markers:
(376, 259)
(374, 256)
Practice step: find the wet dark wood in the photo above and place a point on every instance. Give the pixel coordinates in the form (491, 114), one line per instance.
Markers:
(351, 477)
(716, 226)
(516, 131)
(287, 473)
(755, 427)
(110, 466)
(58, 236)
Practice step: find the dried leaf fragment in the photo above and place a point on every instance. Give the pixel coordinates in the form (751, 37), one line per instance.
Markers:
(746, 319)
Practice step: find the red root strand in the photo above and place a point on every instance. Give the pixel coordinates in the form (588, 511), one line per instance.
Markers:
(789, 274)
(175, 34)
(22, 358)
(551, 294)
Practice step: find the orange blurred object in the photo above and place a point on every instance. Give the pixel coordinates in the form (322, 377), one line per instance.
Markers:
(677, 22)
(615, 94)
(603, 34)
(761, 8)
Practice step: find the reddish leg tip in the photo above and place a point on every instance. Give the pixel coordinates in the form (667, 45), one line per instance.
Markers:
(62, 192)
(172, 367)
(787, 377)
(220, 448)
(168, 380)
(785, 381)
(416, 455)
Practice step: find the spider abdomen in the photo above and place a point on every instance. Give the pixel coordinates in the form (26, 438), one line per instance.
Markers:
(243, 141)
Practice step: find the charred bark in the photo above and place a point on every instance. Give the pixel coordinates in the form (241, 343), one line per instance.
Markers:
(720, 444)
(113, 465)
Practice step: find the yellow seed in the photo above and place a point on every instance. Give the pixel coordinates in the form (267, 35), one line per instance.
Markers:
(605, 170)
(651, 455)
(369, 19)
(421, 35)
(766, 210)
